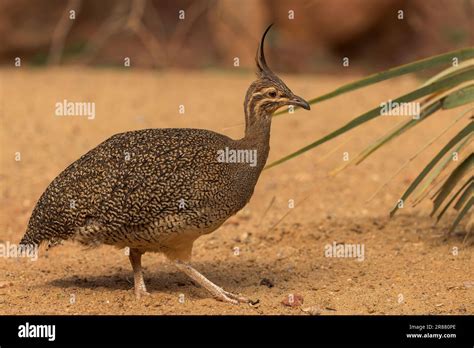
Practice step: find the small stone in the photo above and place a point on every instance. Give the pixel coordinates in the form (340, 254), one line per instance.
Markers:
(266, 282)
(244, 214)
(232, 222)
(244, 237)
(313, 310)
(293, 300)
(357, 229)
(468, 284)
(5, 284)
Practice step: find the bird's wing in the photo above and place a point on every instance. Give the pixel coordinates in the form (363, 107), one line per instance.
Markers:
(135, 178)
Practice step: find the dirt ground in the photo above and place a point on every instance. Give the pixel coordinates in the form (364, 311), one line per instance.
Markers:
(267, 251)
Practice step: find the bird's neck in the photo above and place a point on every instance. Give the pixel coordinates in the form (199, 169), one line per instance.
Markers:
(257, 136)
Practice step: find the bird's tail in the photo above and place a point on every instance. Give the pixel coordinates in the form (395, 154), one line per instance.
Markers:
(31, 239)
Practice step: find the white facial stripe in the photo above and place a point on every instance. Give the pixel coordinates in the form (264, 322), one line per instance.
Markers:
(268, 89)
(263, 92)
(250, 101)
(257, 106)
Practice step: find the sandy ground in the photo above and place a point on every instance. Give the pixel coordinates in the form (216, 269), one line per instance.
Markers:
(409, 266)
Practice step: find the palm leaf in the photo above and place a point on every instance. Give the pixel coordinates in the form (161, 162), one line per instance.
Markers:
(428, 144)
(454, 178)
(461, 214)
(453, 69)
(440, 167)
(400, 129)
(465, 195)
(448, 89)
(419, 65)
(451, 200)
(427, 110)
(455, 140)
(458, 98)
(442, 84)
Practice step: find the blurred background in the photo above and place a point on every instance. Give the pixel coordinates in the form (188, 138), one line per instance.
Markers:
(372, 33)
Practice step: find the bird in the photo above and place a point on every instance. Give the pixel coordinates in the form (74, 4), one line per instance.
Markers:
(158, 190)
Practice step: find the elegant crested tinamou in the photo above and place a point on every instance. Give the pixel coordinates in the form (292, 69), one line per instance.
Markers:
(169, 191)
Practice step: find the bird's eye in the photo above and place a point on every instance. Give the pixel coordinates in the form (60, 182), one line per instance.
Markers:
(272, 94)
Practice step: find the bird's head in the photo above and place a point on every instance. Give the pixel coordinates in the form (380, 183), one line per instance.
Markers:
(268, 93)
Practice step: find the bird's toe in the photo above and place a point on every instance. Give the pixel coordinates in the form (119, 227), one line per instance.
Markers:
(239, 298)
(141, 293)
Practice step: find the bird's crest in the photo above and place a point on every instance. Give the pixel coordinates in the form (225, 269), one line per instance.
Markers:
(262, 67)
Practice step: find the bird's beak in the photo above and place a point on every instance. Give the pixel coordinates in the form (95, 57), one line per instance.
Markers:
(298, 101)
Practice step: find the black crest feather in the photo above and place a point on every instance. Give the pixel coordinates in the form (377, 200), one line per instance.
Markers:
(262, 67)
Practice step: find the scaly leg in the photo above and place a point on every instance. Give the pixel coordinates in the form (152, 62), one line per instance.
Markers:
(215, 290)
(135, 257)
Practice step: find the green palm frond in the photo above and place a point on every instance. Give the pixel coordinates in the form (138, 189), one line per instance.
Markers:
(423, 64)
(451, 88)
(470, 186)
(450, 183)
(437, 86)
(461, 138)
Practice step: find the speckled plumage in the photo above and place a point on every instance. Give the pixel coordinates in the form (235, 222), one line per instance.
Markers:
(160, 189)
(140, 188)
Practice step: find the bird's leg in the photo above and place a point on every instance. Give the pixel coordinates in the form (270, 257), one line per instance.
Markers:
(135, 257)
(215, 290)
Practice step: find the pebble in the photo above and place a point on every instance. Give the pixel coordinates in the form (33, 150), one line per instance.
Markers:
(313, 310)
(266, 282)
(5, 284)
(293, 300)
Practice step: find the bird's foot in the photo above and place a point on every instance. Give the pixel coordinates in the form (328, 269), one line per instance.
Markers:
(135, 259)
(219, 293)
(237, 298)
(139, 293)
(225, 296)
